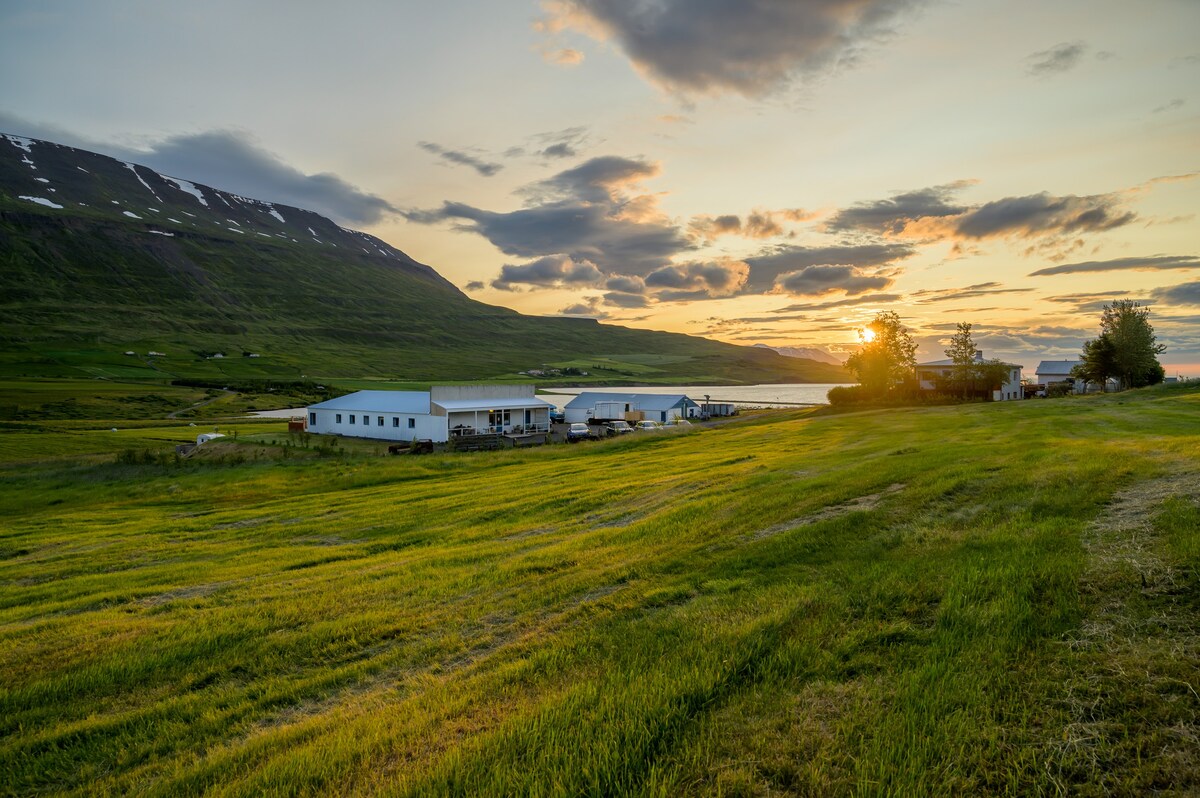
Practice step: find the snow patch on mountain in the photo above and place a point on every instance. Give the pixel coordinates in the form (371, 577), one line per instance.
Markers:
(133, 169)
(41, 201)
(189, 188)
(20, 143)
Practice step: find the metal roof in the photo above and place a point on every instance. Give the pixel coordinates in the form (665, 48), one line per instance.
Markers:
(493, 404)
(410, 402)
(640, 401)
(1056, 366)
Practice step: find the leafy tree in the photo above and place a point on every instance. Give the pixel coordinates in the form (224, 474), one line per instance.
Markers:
(962, 352)
(1098, 362)
(887, 357)
(992, 374)
(1126, 348)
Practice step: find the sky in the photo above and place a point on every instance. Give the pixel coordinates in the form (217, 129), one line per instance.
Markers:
(755, 171)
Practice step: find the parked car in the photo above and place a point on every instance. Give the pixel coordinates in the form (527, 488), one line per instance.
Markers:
(644, 426)
(678, 422)
(578, 432)
(617, 427)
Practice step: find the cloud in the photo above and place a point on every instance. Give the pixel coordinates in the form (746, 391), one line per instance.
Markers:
(933, 214)
(748, 47)
(713, 279)
(233, 162)
(853, 301)
(601, 180)
(929, 295)
(710, 227)
(565, 143)
(552, 270)
(759, 223)
(816, 280)
(590, 308)
(623, 300)
(1153, 263)
(474, 285)
(892, 216)
(1043, 213)
(626, 284)
(767, 267)
(563, 56)
(591, 212)
(1182, 294)
(1178, 102)
(1058, 59)
(559, 150)
(230, 161)
(484, 168)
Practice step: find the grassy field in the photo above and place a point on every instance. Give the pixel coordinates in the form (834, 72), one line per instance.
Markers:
(984, 599)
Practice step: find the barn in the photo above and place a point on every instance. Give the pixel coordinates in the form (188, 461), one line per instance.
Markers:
(595, 405)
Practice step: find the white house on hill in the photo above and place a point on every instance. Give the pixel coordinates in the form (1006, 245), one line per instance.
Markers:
(432, 415)
(614, 405)
(929, 373)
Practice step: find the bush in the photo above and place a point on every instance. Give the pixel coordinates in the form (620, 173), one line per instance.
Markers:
(842, 395)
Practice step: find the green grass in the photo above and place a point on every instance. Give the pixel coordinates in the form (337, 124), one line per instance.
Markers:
(899, 603)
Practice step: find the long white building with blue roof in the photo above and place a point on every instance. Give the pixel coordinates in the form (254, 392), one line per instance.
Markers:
(659, 407)
(433, 415)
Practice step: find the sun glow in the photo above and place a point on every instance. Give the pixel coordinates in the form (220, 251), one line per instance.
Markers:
(867, 335)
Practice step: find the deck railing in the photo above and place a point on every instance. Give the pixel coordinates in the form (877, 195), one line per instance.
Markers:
(514, 429)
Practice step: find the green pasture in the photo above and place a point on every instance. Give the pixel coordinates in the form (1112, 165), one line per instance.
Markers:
(31, 443)
(938, 601)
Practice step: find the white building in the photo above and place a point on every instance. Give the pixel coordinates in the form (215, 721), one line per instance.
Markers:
(432, 415)
(929, 374)
(629, 406)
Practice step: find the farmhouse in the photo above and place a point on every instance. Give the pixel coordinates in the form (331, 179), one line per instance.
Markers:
(432, 415)
(591, 405)
(930, 374)
(1051, 371)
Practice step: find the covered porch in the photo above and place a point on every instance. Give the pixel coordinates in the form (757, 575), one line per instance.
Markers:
(524, 416)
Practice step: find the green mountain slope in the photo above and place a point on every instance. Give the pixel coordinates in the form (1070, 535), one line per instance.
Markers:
(98, 256)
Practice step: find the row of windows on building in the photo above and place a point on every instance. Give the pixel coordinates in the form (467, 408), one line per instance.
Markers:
(365, 420)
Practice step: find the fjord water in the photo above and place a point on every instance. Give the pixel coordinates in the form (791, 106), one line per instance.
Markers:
(782, 395)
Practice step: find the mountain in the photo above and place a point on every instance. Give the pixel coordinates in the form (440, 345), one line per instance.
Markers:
(804, 352)
(100, 257)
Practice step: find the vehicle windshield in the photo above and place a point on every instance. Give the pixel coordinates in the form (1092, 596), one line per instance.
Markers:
(620, 425)
(578, 427)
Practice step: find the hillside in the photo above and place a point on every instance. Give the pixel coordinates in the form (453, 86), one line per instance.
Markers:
(795, 604)
(98, 257)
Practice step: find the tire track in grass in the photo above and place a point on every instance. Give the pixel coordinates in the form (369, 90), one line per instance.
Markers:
(1131, 691)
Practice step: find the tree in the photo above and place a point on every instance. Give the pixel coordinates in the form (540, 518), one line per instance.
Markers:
(1125, 349)
(887, 357)
(962, 352)
(1098, 362)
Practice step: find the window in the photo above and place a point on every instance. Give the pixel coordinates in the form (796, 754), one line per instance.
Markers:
(395, 421)
(498, 418)
(412, 423)
(337, 418)
(351, 418)
(312, 419)
(380, 424)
